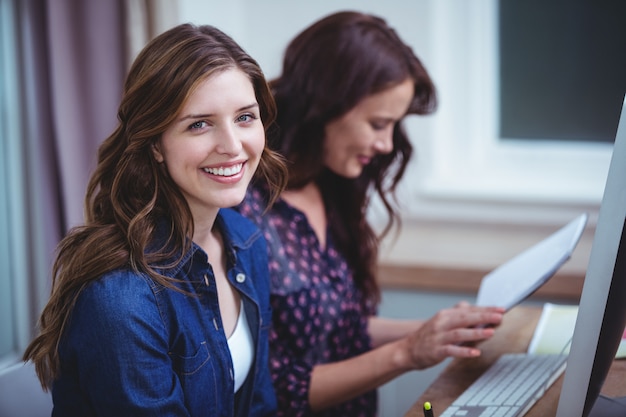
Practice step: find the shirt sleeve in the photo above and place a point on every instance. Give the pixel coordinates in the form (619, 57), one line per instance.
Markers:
(116, 344)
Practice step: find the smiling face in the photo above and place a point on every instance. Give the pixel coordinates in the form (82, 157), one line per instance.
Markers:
(365, 131)
(213, 148)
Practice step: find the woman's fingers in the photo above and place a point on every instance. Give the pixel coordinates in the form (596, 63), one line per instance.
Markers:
(453, 333)
(470, 316)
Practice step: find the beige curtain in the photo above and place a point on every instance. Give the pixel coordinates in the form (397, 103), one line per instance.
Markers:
(145, 19)
(87, 66)
(92, 44)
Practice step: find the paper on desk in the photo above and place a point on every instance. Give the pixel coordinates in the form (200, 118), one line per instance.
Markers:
(516, 279)
(555, 329)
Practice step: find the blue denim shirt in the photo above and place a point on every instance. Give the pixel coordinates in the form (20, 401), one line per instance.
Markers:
(136, 348)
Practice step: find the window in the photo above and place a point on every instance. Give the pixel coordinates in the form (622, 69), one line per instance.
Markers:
(467, 170)
(563, 70)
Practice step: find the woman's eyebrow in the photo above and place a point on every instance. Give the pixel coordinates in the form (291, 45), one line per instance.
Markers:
(200, 116)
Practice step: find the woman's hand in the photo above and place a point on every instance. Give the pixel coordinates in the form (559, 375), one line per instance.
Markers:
(451, 332)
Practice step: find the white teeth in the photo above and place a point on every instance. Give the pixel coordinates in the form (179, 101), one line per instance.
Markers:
(225, 172)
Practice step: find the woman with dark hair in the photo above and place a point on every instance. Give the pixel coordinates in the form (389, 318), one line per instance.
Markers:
(347, 82)
(160, 301)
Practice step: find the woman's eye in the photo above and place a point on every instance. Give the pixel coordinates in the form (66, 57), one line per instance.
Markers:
(248, 117)
(382, 124)
(198, 125)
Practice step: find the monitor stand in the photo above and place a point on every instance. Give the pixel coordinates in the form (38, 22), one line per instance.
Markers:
(609, 407)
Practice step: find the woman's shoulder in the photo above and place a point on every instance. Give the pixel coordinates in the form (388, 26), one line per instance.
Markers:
(116, 296)
(120, 284)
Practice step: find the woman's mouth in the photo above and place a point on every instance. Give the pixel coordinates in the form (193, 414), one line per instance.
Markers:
(225, 171)
(364, 160)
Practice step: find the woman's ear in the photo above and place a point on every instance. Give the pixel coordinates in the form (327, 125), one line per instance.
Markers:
(157, 152)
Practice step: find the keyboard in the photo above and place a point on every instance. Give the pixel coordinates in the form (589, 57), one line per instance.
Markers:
(509, 387)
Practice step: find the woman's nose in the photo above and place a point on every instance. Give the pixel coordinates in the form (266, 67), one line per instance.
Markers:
(384, 144)
(229, 142)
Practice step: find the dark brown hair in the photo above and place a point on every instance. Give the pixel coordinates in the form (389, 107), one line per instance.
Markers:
(130, 192)
(327, 70)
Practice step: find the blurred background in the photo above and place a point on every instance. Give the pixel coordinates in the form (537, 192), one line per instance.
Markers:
(530, 94)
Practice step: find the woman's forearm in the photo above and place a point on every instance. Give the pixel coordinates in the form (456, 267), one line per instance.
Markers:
(415, 345)
(337, 382)
(382, 330)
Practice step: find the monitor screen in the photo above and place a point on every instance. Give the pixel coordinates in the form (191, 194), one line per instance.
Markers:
(602, 309)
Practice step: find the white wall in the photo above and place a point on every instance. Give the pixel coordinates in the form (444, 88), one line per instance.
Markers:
(263, 28)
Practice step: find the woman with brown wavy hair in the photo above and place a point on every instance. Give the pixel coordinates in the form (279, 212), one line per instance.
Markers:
(347, 83)
(160, 301)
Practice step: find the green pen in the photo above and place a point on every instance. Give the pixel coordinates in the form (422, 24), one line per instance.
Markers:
(428, 410)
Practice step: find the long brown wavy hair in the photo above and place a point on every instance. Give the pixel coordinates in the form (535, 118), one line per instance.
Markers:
(327, 70)
(129, 192)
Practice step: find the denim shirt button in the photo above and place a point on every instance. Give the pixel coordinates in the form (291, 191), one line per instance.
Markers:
(240, 278)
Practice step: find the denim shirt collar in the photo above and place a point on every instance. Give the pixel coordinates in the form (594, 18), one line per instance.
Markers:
(236, 235)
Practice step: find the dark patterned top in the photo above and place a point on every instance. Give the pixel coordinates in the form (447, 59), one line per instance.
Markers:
(318, 313)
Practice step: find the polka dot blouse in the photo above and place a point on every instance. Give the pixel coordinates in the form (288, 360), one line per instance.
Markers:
(318, 316)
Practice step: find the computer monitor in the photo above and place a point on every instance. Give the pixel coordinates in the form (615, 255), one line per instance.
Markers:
(602, 309)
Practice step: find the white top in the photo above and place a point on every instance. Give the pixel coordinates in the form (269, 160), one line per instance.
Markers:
(241, 348)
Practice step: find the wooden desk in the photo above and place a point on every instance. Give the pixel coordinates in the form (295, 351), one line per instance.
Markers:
(513, 336)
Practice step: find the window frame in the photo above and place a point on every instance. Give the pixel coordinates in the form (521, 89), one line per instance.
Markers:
(465, 171)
